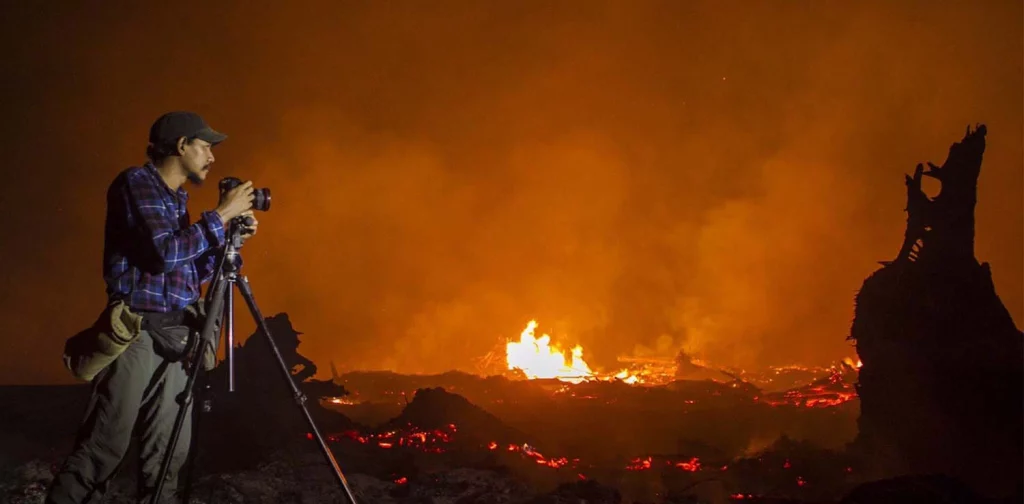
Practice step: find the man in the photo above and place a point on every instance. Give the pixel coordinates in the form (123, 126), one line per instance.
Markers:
(155, 262)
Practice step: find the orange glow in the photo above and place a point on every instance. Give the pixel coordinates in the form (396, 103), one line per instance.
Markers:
(688, 201)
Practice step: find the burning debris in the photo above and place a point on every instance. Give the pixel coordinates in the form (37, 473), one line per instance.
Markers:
(593, 428)
(536, 358)
(429, 428)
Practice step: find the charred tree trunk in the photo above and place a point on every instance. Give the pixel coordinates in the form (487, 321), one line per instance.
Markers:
(942, 382)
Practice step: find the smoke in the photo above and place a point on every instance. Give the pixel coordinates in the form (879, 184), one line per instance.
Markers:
(639, 178)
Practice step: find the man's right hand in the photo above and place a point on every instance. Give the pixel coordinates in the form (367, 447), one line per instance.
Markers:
(235, 202)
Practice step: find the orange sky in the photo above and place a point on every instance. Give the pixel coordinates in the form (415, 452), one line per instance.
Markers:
(637, 176)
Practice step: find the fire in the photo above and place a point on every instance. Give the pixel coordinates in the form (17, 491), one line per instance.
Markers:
(626, 377)
(537, 358)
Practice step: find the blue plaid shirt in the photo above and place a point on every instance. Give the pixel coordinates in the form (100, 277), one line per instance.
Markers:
(152, 258)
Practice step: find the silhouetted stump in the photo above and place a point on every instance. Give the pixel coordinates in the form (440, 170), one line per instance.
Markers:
(942, 381)
(261, 418)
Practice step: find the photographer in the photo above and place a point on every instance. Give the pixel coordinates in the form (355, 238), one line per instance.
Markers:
(154, 265)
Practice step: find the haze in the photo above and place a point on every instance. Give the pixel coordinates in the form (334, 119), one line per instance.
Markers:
(639, 177)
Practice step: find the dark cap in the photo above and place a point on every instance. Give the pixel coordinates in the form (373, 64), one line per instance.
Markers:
(171, 126)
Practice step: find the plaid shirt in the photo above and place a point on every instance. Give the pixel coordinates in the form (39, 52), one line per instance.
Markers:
(152, 258)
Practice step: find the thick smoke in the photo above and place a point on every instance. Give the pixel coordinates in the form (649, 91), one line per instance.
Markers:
(638, 178)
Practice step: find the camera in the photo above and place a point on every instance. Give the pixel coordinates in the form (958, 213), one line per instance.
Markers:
(260, 197)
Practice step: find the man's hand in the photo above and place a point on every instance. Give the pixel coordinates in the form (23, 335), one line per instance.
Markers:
(235, 202)
(249, 230)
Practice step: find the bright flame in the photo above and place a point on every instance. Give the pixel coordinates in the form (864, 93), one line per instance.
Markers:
(537, 358)
(626, 377)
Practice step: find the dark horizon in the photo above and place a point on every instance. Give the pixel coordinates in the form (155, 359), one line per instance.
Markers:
(717, 177)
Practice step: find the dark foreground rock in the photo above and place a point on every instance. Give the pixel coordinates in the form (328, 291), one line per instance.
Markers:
(310, 481)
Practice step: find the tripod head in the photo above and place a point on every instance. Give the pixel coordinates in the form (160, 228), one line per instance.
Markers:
(236, 230)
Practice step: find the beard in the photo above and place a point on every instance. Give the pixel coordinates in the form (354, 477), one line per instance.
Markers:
(195, 176)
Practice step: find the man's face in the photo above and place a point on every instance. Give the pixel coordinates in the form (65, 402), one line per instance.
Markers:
(196, 159)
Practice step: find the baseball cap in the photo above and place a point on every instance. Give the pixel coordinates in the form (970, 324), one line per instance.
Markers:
(174, 125)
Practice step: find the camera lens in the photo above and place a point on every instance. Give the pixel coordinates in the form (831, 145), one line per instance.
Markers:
(261, 199)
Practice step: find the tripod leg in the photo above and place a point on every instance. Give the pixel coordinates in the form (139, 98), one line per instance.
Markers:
(209, 326)
(300, 398)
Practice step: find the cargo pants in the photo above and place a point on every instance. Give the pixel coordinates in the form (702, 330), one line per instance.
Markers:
(138, 388)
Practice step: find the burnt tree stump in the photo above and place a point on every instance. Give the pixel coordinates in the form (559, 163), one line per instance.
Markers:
(942, 382)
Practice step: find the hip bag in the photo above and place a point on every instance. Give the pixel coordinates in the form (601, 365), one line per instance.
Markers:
(175, 334)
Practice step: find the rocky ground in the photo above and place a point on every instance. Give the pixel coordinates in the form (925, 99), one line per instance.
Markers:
(442, 448)
(309, 481)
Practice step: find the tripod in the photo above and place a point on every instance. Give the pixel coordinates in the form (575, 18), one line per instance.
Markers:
(219, 301)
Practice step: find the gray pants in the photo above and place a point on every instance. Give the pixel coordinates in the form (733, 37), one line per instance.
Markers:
(139, 387)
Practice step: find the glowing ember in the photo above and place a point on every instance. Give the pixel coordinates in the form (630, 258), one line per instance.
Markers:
(831, 391)
(427, 441)
(537, 358)
(432, 441)
(539, 458)
(692, 465)
(646, 463)
(638, 464)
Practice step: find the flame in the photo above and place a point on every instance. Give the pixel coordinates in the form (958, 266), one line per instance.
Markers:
(537, 358)
(626, 377)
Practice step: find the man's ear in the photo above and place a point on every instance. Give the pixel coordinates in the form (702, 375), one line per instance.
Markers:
(181, 145)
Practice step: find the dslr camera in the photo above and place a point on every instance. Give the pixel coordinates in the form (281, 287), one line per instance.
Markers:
(260, 197)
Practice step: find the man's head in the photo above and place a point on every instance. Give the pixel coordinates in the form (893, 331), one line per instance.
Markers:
(183, 138)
